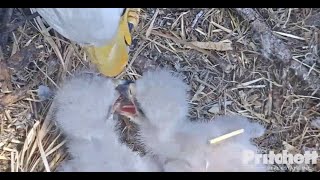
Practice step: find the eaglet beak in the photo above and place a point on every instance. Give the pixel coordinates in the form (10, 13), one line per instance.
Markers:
(126, 104)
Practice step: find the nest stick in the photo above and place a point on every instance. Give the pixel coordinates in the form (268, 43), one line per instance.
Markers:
(226, 136)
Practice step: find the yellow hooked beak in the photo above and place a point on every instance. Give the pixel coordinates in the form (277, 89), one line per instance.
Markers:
(112, 58)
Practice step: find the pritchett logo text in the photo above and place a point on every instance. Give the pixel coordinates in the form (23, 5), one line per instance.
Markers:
(282, 158)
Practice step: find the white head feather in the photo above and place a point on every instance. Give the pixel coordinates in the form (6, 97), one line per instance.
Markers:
(85, 26)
